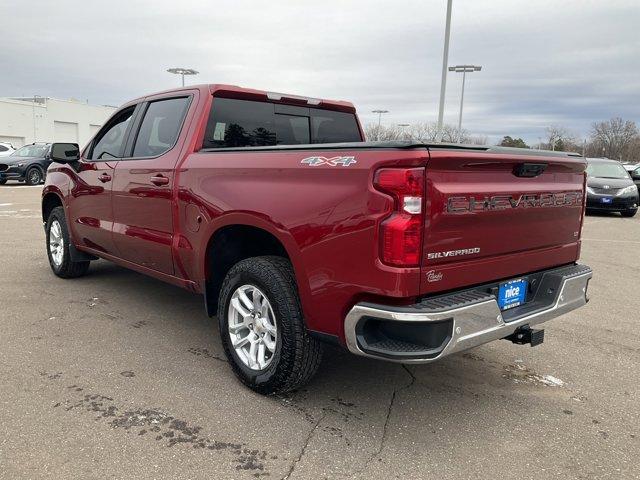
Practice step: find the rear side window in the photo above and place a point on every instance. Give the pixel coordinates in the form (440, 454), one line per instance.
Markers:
(109, 142)
(244, 123)
(160, 127)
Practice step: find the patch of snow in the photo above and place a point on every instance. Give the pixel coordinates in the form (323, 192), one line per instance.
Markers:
(551, 381)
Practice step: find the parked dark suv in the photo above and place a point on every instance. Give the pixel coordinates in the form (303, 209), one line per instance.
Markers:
(27, 164)
(610, 188)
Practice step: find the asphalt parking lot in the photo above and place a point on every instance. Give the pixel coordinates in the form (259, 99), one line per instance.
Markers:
(116, 375)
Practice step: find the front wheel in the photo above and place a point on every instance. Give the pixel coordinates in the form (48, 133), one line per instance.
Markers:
(58, 244)
(262, 327)
(34, 176)
(629, 213)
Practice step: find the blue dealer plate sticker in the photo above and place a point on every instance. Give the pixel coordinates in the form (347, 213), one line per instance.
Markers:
(606, 200)
(512, 294)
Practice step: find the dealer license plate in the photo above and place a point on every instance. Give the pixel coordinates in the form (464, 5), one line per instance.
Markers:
(512, 294)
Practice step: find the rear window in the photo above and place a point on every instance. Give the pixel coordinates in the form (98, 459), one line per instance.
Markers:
(244, 123)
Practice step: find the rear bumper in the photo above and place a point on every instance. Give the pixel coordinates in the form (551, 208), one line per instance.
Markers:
(440, 326)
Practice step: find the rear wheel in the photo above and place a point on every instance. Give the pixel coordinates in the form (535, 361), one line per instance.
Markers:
(262, 327)
(629, 213)
(58, 244)
(34, 176)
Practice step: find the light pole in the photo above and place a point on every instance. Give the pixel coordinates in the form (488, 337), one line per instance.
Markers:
(34, 117)
(445, 62)
(379, 112)
(183, 72)
(464, 69)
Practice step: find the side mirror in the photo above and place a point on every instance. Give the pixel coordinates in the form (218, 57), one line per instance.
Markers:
(65, 152)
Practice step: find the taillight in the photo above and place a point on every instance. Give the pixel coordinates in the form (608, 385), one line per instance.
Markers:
(401, 232)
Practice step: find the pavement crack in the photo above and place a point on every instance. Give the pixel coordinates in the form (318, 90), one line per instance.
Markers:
(385, 427)
(303, 450)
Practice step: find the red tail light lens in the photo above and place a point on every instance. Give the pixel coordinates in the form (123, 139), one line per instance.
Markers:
(401, 232)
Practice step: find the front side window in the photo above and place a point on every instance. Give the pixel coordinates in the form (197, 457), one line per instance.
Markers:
(109, 143)
(3, 148)
(160, 127)
(244, 123)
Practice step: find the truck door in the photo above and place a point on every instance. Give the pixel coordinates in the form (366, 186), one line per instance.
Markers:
(90, 211)
(144, 180)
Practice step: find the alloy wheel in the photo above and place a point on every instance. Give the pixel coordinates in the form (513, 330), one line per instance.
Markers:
(252, 327)
(56, 243)
(34, 176)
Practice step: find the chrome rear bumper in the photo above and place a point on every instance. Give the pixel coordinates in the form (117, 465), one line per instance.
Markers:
(473, 315)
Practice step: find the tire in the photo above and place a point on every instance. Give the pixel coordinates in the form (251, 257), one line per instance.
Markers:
(296, 355)
(33, 176)
(3, 181)
(61, 263)
(629, 213)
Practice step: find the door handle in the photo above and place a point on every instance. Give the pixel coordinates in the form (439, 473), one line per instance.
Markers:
(160, 180)
(105, 177)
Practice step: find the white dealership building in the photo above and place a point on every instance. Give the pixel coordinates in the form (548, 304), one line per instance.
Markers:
(43, 119)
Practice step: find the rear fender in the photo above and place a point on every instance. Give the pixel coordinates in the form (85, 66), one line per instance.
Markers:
(258, 221)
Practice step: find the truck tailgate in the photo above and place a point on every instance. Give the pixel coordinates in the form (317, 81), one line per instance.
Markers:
(491, 216)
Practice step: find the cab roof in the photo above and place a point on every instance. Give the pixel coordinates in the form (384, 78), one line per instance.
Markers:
(241, 93)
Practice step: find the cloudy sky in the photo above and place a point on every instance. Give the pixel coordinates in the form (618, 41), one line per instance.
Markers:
(566, 62)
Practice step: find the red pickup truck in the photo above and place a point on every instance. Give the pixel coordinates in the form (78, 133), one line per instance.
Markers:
(298, 232)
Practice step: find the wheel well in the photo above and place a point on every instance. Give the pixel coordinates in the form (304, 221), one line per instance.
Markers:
(49, 202)
(228, 246)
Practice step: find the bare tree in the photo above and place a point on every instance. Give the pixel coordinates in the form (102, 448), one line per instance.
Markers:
(375, 132)
(614, 137)
(478, 140)
(424, 132)
(421, 132)
(633, 150)
(451, 134)
(559, 138)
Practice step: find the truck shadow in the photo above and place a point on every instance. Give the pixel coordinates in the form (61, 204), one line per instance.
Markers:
(179, 311)
(353, 402)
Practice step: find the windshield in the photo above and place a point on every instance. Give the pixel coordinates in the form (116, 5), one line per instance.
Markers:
(31, 151)
(607, 170)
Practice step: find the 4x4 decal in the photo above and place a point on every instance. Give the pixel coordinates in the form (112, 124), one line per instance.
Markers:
(332, 162)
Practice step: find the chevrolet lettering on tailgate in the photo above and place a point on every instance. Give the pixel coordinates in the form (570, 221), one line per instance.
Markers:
(472, 204)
